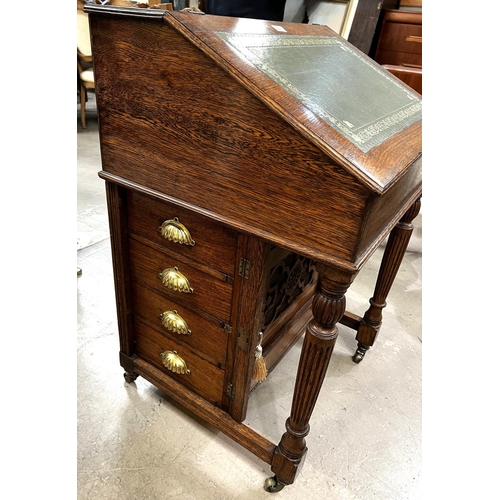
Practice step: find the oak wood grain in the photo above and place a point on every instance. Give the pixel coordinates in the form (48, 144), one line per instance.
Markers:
(208, 337)
(209, 293)
(189, 126)
(215, 245)
(260, 151)
(204, 378)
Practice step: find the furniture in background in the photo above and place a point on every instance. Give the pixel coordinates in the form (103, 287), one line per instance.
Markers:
(399, 45)
(86, 83)
(244, 196)
(400, 39)
(85, 72)
(411, 76)
(365, 22)
(410, 4)
(164, 6)
(176, 4)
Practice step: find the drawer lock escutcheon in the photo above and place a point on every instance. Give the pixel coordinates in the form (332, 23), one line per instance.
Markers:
(173, 362)
(174, 322)
(172, 278)
(174, 230)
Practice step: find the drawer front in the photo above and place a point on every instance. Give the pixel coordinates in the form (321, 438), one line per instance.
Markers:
(401, 38)
(203, 378)
(399, 59)
(205, 334)
(214, 245)
(209, 293)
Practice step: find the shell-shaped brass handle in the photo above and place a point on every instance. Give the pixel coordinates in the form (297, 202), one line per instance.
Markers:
(173, 362)
(174, 230)
(174, 322)
(172, 278)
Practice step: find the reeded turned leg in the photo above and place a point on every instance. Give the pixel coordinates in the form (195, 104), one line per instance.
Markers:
(391, 261)
(321, 334)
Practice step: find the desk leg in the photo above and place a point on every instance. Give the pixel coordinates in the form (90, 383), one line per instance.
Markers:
(391, 261)
(321, 333)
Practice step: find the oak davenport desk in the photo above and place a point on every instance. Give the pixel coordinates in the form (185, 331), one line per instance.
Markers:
(251, 169)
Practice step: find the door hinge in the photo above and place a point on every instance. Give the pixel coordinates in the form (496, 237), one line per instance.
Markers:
(243, 337)
(379, 5)
(230, 390)
(244, 268)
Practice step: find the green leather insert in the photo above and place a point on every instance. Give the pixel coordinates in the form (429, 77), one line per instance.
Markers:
(348, 91)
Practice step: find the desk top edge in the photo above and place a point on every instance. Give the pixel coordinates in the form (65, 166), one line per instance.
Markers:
(373, 168)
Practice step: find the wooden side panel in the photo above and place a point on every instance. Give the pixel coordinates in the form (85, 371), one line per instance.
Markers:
(250, 320)
(116, 201)
(386, 210)
(201, 138)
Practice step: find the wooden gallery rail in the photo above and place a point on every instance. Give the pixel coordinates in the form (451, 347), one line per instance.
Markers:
(247, 167)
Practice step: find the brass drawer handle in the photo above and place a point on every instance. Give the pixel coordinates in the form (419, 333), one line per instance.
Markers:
(173, 362)
(174, 230)
(172, 278)
(174, 322)
(413, 38)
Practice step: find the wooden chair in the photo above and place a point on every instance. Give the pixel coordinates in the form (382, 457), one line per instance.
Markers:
(86, 83)
(85, 70)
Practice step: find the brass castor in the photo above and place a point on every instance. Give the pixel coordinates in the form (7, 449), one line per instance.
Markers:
(359, 354)
(273, 485)
(130, 377)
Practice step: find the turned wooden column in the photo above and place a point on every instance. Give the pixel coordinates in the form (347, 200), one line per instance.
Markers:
(391, 261)
(321, 334)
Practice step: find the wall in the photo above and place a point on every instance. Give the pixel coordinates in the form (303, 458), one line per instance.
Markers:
(337, 15)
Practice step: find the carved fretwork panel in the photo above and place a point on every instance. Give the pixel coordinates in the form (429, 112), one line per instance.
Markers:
(289, 276)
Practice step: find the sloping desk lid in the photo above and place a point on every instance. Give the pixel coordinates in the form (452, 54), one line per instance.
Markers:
(336, 96)
(359, 102)
(363, 117)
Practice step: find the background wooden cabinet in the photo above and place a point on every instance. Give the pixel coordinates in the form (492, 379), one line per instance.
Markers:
(400, 40)
(365, 22)
(399, 46)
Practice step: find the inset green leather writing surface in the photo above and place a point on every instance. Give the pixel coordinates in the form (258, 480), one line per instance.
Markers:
(349, 92)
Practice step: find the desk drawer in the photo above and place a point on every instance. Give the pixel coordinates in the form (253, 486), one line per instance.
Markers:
(399, 58)
(205, 334)
(214, 245)
(401, 38)
(202, 377)
(209, 292)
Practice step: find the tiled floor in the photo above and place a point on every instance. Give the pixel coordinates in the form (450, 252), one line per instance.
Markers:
(134, 443)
